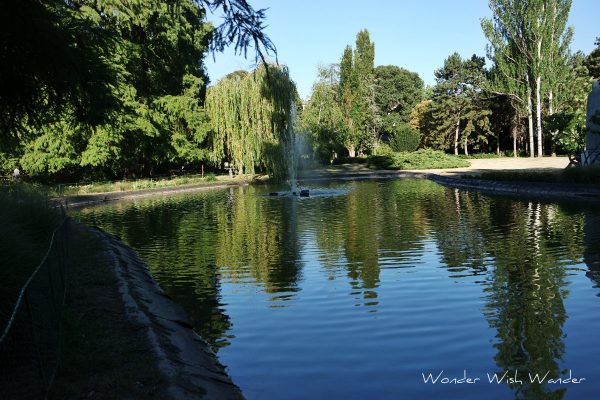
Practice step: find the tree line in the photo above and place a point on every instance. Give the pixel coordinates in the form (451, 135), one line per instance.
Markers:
(111, 89)
(531, 100)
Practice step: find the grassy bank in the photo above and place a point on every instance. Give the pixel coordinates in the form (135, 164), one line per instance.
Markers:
(105, 356)
(27, 220)
(139, 184)
(583, 175)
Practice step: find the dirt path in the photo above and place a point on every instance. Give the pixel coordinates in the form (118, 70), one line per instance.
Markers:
(488, 164)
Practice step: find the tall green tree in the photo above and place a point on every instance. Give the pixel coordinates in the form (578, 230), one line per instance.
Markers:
(322, 116)
(593, 61)
(397, 92)
(251, 119)
(357, 93)
(459, 112)
(120, 83)
(531, 40)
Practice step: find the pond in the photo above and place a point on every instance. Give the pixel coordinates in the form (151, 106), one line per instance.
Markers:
(378, 287)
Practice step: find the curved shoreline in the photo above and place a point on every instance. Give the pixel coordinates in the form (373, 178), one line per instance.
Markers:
(191, 369)
(81, 200)
(537, 190)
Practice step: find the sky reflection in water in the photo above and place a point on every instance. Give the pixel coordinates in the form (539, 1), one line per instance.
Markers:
(357, 295)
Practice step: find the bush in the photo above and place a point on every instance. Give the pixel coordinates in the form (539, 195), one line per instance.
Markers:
(349, 160)
(405, 139)
(421, 159)
(210, 178)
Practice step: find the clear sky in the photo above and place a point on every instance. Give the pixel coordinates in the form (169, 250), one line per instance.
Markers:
(415, 34)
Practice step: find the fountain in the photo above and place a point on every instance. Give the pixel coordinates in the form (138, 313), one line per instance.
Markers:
(291, 147)
(294, 144)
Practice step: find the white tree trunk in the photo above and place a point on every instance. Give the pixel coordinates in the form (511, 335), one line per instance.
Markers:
(530, 123)
(351, 150)
(538, 114)
(456, 135)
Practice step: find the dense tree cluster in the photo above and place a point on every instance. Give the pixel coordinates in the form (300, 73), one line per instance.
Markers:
(115, 88)
(531, 99)
(110, 88)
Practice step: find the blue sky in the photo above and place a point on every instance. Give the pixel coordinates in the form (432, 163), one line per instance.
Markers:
(417, 34)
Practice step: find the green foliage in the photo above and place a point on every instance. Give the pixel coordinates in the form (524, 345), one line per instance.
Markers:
(592, 61)
(405, 139)
(568, 130)
(116, 87)
(397, 92)
(322, 117)
(420, 159)
(250, 119)
(357, 94)
(62, 58)
(458, 114)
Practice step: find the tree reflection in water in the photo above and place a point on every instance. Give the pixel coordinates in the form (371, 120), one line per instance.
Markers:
(516, 249)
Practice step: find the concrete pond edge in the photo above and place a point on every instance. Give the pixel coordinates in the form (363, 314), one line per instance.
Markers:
(191, 369)
(536, 190)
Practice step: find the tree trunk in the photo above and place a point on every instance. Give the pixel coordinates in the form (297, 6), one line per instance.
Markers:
(550, 112)
(538, 114)
(530, 122)
(351, 150)
(513, 128)
(456, 134)
(466, 147)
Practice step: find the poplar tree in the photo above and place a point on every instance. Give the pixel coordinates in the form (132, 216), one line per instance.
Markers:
(357, 93)
(531, 36)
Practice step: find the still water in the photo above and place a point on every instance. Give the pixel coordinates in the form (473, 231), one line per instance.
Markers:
(365, 293)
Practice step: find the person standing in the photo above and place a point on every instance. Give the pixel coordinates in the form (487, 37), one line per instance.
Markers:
(16, 173)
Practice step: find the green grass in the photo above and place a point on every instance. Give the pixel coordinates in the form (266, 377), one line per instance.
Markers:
(27, 220)
(484, 155)
(420, 159)
(583, 175)
(129, 185)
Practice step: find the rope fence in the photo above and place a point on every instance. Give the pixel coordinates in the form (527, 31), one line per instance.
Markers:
(31, 342)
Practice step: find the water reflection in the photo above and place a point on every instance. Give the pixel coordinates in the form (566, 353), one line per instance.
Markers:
(521, 255)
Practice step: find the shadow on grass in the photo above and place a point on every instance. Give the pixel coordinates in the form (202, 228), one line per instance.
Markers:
(106, 355)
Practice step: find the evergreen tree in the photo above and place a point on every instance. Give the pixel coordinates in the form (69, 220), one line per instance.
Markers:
(459, 113)
(593, 61)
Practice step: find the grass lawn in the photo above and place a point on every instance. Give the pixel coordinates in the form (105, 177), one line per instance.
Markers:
(150, 183)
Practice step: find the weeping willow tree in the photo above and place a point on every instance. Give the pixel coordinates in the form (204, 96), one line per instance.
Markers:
(251, 119)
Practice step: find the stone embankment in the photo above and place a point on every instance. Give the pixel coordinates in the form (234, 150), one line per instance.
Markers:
(192, 370)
